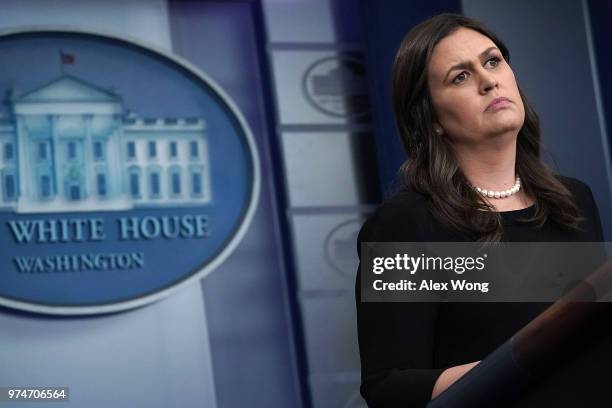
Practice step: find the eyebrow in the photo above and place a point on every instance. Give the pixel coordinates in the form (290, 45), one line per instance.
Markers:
(468, 64)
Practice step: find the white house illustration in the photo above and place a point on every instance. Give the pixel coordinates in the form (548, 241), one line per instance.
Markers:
(67, 146)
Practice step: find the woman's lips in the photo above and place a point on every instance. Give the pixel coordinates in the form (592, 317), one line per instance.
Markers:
(497, 104)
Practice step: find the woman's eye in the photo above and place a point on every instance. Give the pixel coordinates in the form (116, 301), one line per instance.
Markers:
(493, 61)
(460, 78)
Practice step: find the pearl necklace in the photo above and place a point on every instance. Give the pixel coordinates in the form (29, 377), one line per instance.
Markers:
(500, 194)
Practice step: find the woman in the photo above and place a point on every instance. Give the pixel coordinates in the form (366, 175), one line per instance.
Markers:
(473, 174)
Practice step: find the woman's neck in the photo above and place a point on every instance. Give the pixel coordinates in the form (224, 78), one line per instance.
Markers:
(488, 166)
(493, 167)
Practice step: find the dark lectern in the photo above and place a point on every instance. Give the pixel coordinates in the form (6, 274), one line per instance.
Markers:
(562, 358)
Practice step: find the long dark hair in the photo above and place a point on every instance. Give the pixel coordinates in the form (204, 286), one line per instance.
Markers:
(432, 168)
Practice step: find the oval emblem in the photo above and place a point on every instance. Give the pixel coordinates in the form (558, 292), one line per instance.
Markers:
(125, 173)
(337, 86)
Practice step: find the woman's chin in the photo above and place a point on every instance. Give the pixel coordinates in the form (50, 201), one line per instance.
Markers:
(506, 125)
(507, 119)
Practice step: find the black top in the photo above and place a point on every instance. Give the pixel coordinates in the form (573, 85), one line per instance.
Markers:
(404, 347)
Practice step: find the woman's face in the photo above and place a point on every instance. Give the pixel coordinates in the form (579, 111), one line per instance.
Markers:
(467, 72)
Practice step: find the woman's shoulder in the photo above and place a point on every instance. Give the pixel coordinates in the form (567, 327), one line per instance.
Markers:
(575, 186)
(406, 202)
(401, 217)
(590, 227)
(581, 192)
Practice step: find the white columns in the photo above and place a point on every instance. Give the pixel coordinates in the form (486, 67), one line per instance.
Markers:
(90, 186)
(23, 176)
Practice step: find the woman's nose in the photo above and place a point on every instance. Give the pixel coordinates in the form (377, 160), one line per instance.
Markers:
(488, 83)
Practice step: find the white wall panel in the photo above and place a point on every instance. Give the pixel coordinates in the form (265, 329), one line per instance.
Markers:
(326, 251)
(330, 334)
(319, 87)
(299, 20)
(322, 169)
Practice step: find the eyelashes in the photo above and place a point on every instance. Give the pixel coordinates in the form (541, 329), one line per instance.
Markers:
(459, 79)
(496, 59)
